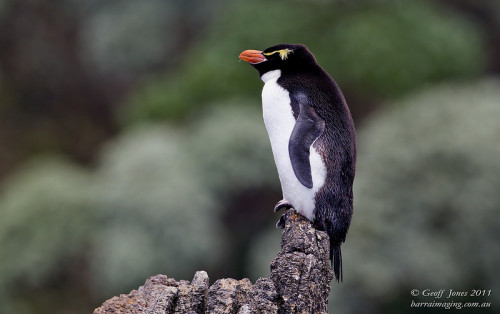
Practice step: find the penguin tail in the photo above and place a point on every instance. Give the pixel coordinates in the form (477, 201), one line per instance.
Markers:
(336, 257)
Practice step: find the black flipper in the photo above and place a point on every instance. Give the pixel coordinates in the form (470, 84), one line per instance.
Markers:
(308, 128)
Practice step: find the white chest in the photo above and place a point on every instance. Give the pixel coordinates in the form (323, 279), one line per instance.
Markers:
(277, 112)
(279, 121)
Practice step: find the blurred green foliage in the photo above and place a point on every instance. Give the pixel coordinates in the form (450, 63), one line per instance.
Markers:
(153, 205)
(126, 35)
(197, 193)
(151, 194)
(45, 210)
(48, 215)
(231, 141)
(380, 50)
(426, 200)
(392, 49)
(133, 38)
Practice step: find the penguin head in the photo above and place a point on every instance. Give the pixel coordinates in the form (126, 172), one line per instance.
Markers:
(284, 57)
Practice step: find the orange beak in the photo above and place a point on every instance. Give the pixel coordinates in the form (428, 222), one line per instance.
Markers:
(252, 56)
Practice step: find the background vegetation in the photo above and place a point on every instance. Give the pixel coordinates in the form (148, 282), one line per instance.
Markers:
(132, 144)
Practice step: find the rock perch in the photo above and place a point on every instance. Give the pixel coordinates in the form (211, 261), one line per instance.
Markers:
(299, 283)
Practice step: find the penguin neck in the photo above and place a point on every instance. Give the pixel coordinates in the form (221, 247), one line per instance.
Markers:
(270, 75)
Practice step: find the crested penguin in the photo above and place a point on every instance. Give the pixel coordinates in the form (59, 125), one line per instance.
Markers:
(312, 139)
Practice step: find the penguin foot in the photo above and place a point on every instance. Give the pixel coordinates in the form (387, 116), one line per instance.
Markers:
(282, 204)
(281, 223)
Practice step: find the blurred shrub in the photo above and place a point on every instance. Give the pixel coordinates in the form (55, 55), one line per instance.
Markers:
(232, 142)
(130, 37)
(48, 215)
(153, 205)
(212, 70)
(160, 217)
(426, 201)
(263, 249)
(391, 49)
(69, 62)
(377, 50)
(49, 228)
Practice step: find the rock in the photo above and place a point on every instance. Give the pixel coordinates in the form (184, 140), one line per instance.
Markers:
(227, 295)
(301, 272)
(192, 296)
(158, 295)
(299, 283)
(263, 297)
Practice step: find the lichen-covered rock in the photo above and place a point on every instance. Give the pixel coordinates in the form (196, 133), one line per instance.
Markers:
(263, 297)
(158, 295)
(227, 295)
(299, 283)
(301, 272)
(191, 297)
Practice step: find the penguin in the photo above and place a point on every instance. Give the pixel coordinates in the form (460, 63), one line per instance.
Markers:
(312, 137)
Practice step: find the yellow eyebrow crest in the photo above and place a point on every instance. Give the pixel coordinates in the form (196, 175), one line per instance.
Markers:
(283, 53)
